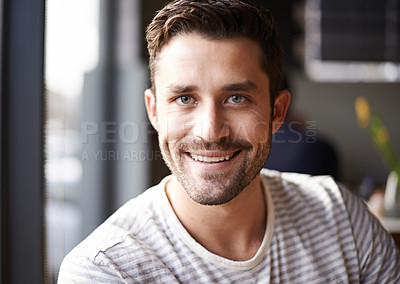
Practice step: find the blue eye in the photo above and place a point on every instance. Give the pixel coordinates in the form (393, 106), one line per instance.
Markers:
(184, 100)
(236, 99)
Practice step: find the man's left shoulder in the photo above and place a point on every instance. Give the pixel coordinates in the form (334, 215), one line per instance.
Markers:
(301, 181)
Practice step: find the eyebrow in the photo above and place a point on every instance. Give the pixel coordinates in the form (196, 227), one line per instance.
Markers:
(181, 89)
(234, 87)
(241, 86)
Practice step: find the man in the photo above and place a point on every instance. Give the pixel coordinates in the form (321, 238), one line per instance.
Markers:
(216, 71)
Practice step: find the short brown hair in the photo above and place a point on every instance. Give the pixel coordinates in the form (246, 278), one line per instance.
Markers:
(218, 19)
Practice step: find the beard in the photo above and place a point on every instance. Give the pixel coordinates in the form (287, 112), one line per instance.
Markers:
(215, 188)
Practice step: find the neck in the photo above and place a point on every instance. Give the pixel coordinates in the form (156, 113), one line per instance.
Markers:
(233, 230)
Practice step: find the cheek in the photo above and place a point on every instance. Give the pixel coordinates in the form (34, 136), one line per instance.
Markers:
(258, 132)
(172, 127)
(253, 128)
(262, 132)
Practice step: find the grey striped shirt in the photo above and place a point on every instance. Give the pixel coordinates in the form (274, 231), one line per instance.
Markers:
(317, 232)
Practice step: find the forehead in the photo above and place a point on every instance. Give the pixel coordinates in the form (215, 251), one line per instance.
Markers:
(190, 56)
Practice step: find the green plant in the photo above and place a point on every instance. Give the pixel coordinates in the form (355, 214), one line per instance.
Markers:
(379, 134)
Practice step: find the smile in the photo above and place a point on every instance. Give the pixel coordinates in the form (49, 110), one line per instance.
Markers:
(206, 159)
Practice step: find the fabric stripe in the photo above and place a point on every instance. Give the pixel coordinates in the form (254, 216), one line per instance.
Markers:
(318, 232)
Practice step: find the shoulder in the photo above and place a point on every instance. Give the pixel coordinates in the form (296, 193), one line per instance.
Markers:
(302, 187)
(319, 197)
(320, 206)
(127, 224)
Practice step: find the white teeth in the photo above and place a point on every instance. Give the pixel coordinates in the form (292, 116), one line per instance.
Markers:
(210, 159)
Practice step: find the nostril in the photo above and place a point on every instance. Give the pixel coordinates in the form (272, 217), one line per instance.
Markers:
(210, 121)
(211, 130)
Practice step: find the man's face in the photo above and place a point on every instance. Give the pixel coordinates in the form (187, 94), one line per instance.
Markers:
(213, 115)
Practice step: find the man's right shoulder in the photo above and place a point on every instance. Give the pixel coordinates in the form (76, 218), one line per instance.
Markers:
(130, 221)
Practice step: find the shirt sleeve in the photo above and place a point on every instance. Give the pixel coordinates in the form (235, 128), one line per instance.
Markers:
(77, 269)
(378, 256)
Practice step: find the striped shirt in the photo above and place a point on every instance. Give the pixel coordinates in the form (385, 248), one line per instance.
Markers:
(317, 232)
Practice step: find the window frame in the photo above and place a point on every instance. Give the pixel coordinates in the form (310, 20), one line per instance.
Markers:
(22, 116)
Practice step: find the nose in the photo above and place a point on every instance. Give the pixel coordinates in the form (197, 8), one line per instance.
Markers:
(211, 123)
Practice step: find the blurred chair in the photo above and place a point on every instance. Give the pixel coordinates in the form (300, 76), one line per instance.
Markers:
(297, 147)
(293, 151)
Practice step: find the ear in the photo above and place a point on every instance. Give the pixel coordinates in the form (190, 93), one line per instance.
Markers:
(280, 108)
(150, 101)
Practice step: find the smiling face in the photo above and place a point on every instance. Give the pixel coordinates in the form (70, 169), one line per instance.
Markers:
(213, 115)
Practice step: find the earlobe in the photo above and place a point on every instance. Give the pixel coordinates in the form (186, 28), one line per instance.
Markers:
(280, 108)
(150, 101)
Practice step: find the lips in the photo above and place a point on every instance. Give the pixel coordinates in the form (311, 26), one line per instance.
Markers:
(211, 159)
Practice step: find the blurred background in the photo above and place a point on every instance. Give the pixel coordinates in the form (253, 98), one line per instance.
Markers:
(73, 77)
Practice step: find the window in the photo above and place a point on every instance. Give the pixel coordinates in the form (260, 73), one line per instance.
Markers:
(72, 51)
(353, 40)
(97, 133)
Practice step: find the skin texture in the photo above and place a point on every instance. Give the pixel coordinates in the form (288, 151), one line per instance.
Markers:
(213, 116)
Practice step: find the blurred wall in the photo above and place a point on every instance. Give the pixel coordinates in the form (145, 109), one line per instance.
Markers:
(331, 105)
